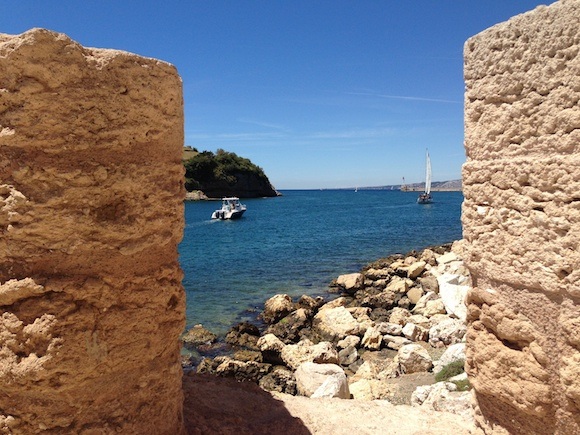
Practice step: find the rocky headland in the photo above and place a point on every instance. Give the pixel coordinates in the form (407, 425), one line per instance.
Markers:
(215, 175)
(390, 334)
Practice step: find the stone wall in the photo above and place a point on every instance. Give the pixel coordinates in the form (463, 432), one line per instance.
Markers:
(521, 220)
(91, 190)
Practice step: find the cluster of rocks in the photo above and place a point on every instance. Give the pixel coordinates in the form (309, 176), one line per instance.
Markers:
(402, 316)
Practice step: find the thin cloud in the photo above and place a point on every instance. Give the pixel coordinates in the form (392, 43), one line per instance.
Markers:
(228, 137)
(405, 97)
(301, 138)
(353, 134)
(263, 124)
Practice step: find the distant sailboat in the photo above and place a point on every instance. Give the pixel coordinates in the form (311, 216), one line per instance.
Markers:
(425, 198)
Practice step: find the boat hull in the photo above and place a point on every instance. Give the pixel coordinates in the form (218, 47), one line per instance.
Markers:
(223, 215)
(424, 198)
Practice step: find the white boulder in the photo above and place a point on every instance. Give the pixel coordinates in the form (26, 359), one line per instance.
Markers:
(367, 370)
(414, 294)
(372, 339)
(434, 307)
(415, 333)
(413, 358)
(350, 281)
(368, 389)
(389, 328)
(277, 307)
(270, 343)
(399, 316)
(348, 341)
(453, 295)
(422, 302)
(294, 355)
(335, 323)
(449, 331)
(443, 397)
(321, 380)
(399, 285)
(395, 342)
(447, 258)
(416, 269)
(420, 320)
(361, 390)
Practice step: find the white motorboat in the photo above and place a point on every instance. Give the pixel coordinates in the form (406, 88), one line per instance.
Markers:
(232, 208)
(425, 197)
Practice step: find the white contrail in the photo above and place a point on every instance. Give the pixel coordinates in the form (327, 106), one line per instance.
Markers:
(404, 97)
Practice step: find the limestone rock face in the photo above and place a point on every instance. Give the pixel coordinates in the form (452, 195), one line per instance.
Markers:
(91, 191)
(521, 220)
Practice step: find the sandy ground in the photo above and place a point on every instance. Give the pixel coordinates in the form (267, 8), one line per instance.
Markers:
(225, 406)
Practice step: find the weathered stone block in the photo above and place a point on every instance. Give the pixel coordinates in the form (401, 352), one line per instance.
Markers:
(91, 190)
(521, 220)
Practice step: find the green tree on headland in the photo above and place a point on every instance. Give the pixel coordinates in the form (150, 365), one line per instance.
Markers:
(226, 174)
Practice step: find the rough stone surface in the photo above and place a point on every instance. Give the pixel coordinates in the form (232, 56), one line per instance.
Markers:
(395, 342)
(416, 269)
(335, 323)
(270, 343)
(310, 377)
(348, 355)
(415, 333)
(350, 282)
(443, 396)
(91, 212)
(449, 331)
(277, 307)
(414, 294)
(198, 335)
(453, 295)
(521, 220)
(414, 358)
(215, 406)
(372, 339)
(399, 316)
(295, 354)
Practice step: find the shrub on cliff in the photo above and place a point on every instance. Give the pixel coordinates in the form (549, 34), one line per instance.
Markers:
(198, 169)
(224, 174)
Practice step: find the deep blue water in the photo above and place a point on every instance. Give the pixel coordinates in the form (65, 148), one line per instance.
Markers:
(298, 243)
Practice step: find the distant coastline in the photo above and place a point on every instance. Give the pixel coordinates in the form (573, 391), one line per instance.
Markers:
(436, 186)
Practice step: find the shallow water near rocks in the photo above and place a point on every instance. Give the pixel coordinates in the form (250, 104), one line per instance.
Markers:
(298, 243)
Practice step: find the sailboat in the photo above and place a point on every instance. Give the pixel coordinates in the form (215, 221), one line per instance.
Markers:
(425, 197)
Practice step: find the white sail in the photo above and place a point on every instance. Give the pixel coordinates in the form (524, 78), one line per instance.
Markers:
(428, 175)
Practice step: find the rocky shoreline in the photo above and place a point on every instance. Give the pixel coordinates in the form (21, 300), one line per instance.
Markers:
(388, 332)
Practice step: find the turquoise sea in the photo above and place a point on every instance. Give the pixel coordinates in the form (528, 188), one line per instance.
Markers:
(298, 243)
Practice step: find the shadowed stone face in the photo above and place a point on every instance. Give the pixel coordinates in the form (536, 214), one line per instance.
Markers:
(522, 220)
(91, 302)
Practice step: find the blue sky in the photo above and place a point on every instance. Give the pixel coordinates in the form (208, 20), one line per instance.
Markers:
(320, 94)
